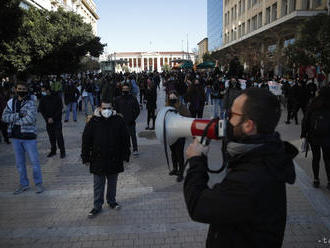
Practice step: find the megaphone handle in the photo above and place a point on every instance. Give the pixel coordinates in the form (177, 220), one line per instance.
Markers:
(206, 141)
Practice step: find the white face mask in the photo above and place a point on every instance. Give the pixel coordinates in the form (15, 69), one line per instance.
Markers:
(44, 93)
(106, 113)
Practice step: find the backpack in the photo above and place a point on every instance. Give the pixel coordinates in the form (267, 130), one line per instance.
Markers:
(320, 124)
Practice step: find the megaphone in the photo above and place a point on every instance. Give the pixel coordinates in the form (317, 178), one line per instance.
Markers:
(170, 126)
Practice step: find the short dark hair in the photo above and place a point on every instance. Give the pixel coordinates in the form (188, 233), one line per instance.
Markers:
(262, 107)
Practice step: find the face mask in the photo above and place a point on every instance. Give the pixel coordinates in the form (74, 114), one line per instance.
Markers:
(172, 102)
(125, 93)
(44, 93)
(106, 113)
(22, 93)
(230, 132)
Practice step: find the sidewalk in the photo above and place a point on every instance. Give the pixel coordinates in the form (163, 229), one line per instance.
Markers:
(153, 212)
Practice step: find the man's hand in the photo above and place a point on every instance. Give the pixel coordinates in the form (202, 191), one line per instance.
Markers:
(196, 149)
(50, 121)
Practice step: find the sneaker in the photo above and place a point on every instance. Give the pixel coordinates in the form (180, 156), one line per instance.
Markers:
(94, 212)
(51, 154)
(115, 206)
(135, 153)
(316, 183)
(62, 155)
(39, 189)
(153, 128)
(21, 189)
(179, 178)
(173, 172)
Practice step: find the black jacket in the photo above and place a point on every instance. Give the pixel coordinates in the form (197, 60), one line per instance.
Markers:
(248, 208)
(105, 144)
(71, 94)
(129, 107)
(51, 106)
(151, 97)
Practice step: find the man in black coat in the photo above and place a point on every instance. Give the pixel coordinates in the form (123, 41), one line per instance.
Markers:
(50, 106)
(71, 96)
(105, 145)
(248, 208)
(128, 106)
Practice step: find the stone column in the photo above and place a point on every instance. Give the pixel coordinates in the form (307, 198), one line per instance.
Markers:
(142, 63)
(158, 64)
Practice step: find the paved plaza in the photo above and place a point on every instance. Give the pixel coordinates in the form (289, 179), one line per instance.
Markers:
(153, 211)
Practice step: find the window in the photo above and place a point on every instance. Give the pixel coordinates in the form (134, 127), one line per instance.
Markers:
(248, 4)
(267, 15)
(239, 31)
(243, 28)
(254, 2)
(243, 6)
(232, 35)
(248, 26)
(235, 12)
(254, 23)
(260, 20)
(239, 8)
(274, 12)
(317, 3)
(284, 8)
(232, 14)
(292, 6)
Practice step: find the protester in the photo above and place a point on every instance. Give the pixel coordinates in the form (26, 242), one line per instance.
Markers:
(21, 113)
(128, 106)
(177, 148)
(248, 208)
(151, 97)
(316, 129)
(3, 126)
(196, 98)
(50, 106)
(105, 145)
(71, 96)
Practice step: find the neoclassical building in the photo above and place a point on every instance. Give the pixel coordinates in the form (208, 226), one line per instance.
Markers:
(150, 61)
(85, 8)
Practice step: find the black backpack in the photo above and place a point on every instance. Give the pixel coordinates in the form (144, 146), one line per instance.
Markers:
(320, 123)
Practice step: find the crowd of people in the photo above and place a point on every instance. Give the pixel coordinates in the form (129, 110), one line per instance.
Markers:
(113, 102)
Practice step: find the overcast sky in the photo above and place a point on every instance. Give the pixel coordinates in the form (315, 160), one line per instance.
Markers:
(151, 25)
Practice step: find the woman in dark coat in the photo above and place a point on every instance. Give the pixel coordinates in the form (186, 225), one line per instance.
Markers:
(151, 97)
(196, 98)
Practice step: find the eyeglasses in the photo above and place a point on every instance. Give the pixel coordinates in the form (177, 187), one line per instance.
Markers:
(231, 113)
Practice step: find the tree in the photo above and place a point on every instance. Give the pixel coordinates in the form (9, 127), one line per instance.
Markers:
(208, 57)
(312, 45)
(49, 42)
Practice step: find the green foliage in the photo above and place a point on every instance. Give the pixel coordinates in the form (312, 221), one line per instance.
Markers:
(49, 42)
(312, 45)
(208, 57)
(88, 64)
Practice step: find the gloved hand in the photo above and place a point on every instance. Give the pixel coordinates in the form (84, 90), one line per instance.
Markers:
(196, 149)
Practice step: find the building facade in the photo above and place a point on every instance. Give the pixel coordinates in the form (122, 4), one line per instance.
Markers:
(85, 8)
(202, 49)
(214, 24)
(254, 27)
(150, 61)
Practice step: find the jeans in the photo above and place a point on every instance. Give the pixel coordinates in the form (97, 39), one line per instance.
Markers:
(55, 134)
(217, 107)
(73, 106)
(132, 134)
(30, 146)
(89, 98)
(99, 186)
(208, 95)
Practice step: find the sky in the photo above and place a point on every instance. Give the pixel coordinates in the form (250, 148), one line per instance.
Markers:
(151, 25)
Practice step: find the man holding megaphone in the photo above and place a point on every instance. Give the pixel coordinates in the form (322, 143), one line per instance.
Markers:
(248, 208)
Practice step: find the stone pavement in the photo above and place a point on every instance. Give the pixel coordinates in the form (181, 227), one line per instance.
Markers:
(153, 212)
